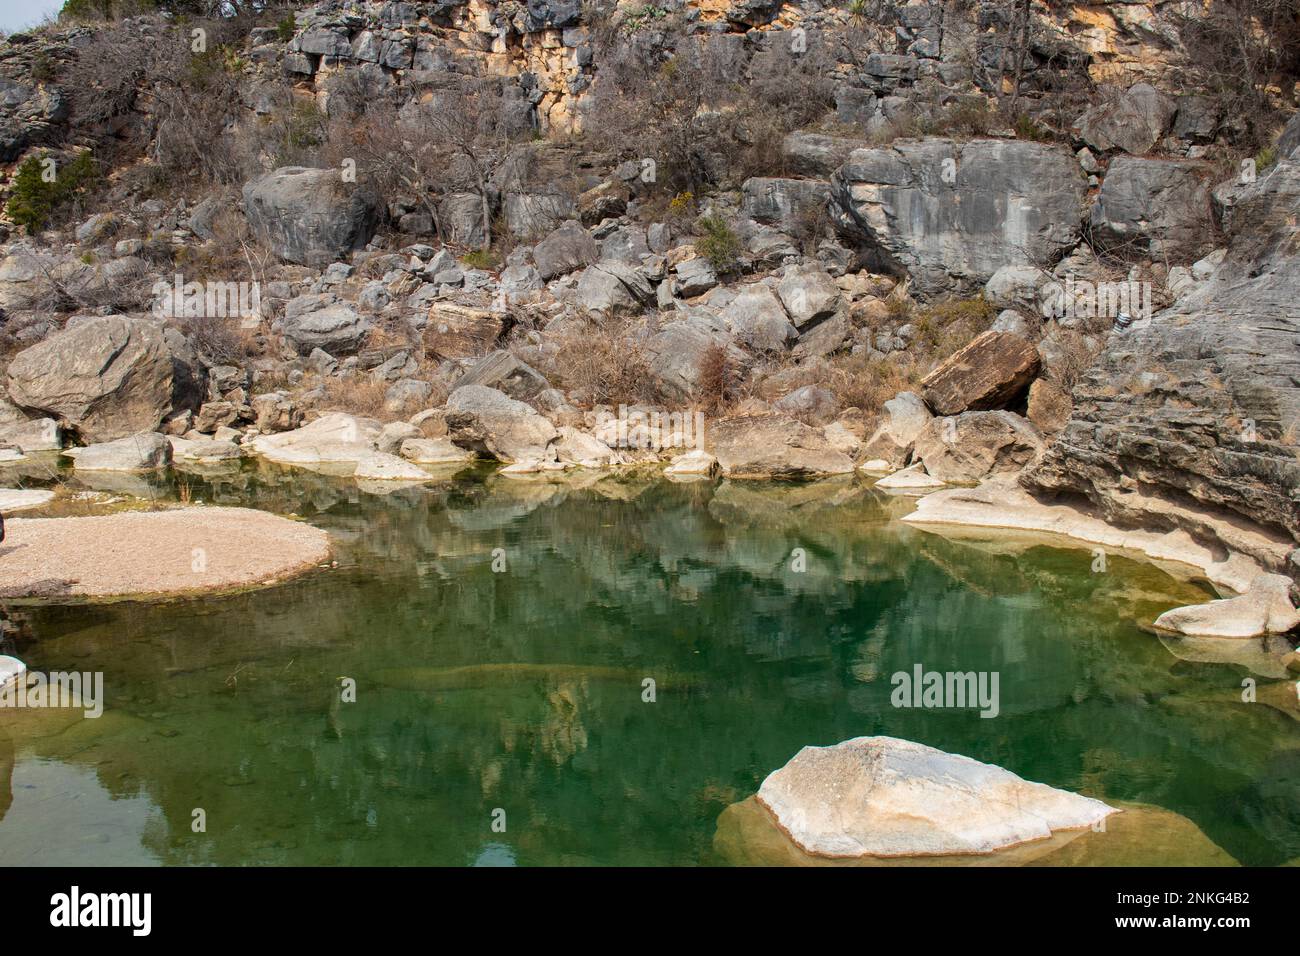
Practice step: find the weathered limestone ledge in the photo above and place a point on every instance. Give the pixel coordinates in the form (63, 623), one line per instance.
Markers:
(1003, 504)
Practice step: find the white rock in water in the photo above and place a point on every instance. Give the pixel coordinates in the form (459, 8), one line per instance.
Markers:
(913, 477)
(22, 499)
(692, 464)
(382, 467)
(11, 668)
(1265, 608)
(881, 796)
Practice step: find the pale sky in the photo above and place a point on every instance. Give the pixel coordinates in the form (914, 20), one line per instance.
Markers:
(16, 15)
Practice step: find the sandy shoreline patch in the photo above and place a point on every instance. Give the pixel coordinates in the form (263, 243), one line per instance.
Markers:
(154, 553)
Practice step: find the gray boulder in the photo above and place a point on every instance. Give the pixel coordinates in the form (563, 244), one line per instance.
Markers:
(310, 216)
(106, 377)
(677, 350)
(567, 249)
(610, 289)
(1156, 206)
(146, 451)
(808, 293)
(502, 370)
(488, 421)
(758, 321)
(325, 322)
(1133, 121)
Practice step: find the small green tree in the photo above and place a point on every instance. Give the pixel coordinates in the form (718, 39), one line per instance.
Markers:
(36, 194)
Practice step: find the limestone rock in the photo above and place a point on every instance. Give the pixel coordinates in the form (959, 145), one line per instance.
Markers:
(1265, 608)
(973, 445)
(333, 438)
(146, 451)
(903, 418)
(461, 331)
(1008, 202)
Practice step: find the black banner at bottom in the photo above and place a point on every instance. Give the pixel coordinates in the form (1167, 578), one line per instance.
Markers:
(338, 905)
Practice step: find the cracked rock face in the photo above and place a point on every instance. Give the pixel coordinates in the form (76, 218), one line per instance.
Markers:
(882, 796)
(952, 213)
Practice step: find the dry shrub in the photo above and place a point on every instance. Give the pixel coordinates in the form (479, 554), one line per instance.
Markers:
(606, 366)
(718, 378)
(1072, 356)
(867, 383)
(361, 395)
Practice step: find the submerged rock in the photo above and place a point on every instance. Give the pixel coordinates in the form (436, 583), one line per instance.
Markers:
(1141, 835)
(882, 796)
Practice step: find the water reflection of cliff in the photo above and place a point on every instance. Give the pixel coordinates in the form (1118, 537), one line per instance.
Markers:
(523, 690)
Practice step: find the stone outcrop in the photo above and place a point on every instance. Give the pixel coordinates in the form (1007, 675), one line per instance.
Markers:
(1190, 421)
(105, 377)
(993, 371)
(951, 214)
(885, 797)
(310, 216)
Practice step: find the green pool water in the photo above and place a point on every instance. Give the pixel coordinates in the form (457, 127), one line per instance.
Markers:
(519, 694)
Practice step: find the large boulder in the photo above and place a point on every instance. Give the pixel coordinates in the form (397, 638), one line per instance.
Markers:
(950, 214)
(993, 371)
(1134, 121)
(462, 331)
(881, 796)
(106, 377)
(808, 293)
(323, 322)
(676, 353)
(1189, 420)
(974, 445)
(489, 421)
(758, 321)
(1157, 206)
(310, 216)
(774, 447)
(611, 289)
(567, 249)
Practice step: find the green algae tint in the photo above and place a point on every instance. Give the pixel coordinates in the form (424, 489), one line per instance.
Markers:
(525, 690)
